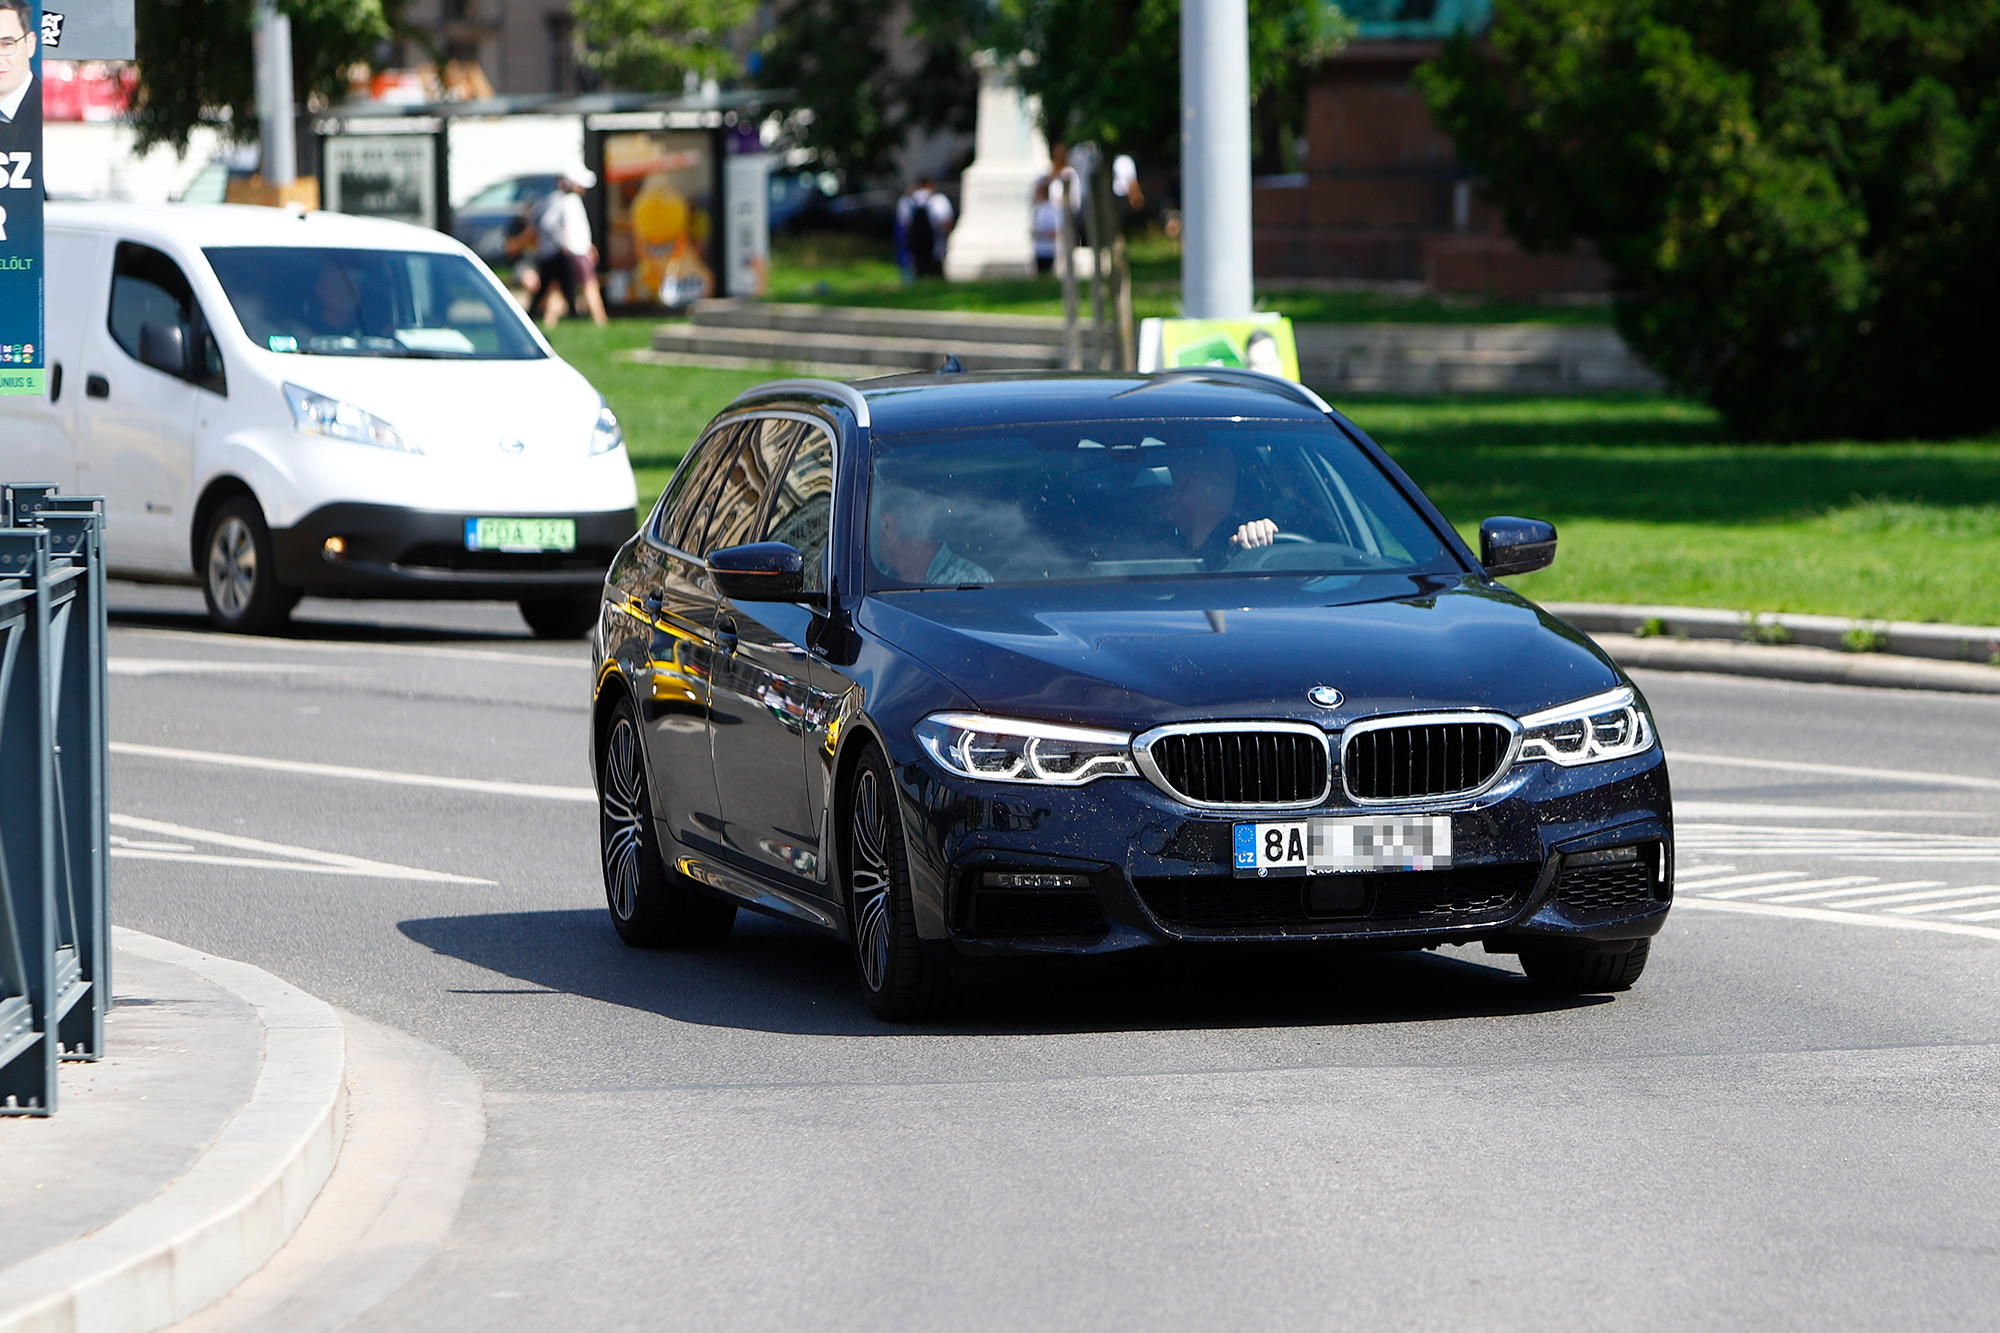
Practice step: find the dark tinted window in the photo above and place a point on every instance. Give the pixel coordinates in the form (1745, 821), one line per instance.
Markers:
(326, 302)
(747, 487)
(148, 287)
(802, 509)
(690, 497)
(1096, 500)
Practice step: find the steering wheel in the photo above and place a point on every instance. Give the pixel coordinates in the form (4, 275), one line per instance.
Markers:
(1339, 555)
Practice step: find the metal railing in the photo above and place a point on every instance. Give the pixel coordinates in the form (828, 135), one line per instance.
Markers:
(55, 836)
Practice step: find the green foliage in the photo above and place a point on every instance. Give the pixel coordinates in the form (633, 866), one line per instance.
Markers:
(654, 45)
(196, 61)
(1109, 70)
(1799, 199)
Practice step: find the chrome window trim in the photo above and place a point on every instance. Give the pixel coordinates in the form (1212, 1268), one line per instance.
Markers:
(731, 418)
(845, 394)
(1385, 722)
(1142, 752)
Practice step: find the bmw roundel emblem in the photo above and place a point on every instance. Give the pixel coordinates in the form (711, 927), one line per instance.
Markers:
(1324, 696)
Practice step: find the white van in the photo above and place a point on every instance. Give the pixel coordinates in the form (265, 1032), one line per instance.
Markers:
(276, 403)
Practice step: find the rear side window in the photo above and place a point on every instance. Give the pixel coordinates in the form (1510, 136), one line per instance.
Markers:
(747, 486)
(802, 509)
(148, 287)
(690, 497)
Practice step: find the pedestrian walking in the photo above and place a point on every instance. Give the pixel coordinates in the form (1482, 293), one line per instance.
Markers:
(924, 219)
(1047, 223)
(566, 256)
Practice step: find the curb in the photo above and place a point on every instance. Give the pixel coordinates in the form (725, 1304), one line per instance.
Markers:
(1812, 666)
(195, 1240)
(1976, 644)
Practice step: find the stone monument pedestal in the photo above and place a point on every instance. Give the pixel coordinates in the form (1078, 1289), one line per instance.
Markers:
(994, 237)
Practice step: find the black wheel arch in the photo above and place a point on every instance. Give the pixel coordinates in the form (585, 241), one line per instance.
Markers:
(218, 491)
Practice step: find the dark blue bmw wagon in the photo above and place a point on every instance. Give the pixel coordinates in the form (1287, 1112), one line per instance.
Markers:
(977, 668)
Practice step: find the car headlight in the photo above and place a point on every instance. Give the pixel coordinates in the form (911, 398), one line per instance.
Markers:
(998, 749)
(317, 414)
(1605, 726)
(606, 434)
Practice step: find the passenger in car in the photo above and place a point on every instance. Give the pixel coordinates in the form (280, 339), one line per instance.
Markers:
(907, 545)
(1202, 498)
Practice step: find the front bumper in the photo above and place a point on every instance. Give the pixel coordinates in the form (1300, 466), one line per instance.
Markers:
(1527, 869)
(396, 552)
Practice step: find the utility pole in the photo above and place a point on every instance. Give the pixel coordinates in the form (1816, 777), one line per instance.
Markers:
(274, 95)
(1215, 159)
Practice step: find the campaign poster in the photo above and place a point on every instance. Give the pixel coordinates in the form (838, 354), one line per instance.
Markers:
(390, 176)
(1261, 342)
(659, 188)
(21, 346)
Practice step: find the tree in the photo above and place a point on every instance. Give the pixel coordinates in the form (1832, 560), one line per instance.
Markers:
(655, 45)
(1799, 199)
(196, 63)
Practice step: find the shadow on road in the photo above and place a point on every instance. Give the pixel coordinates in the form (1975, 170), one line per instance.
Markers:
(777, 978)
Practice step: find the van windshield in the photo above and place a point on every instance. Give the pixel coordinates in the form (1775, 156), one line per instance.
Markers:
(1091, 501)
(326, 302)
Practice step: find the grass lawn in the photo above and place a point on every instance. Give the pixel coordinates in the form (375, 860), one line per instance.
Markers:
(838, 268)
(1654, 502)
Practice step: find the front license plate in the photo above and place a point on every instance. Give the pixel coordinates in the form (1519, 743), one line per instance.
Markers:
(520, 534)
(1337, 846)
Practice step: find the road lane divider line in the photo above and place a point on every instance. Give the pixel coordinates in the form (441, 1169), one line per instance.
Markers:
(328, 646)
(1768, 877)
(1684, 874)
(1756, 889)
(1884, 900)
(197, 666)
(485, 786)
(1748, 810)
(1983, 900)
(1870, 886)
(1838, 770)
(278, 855)
(1841, 917)
(1978, 916)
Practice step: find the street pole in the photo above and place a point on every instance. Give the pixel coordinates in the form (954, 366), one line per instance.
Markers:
(1215, 159)
(274, 95)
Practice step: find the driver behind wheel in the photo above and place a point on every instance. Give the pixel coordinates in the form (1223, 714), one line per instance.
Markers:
(1202, 505)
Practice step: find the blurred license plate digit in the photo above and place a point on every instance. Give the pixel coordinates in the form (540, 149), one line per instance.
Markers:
(1273, 849)
(520, 534)
(1382, 842)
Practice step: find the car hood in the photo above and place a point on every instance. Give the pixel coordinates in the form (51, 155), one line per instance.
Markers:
(1134, 656)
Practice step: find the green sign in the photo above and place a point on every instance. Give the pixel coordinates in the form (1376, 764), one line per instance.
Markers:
(22, 354)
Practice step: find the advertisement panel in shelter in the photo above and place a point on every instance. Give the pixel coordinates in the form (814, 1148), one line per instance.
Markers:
(21, 341)
(659, 188)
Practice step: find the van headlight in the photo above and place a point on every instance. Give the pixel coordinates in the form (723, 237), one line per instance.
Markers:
(317, 414)
(998, 749)
(1612, 725)
(605, 434)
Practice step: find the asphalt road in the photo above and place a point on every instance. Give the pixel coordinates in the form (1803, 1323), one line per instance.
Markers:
(1789, 1123)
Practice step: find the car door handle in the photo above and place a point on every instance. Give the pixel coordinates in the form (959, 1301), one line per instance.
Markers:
(55, 382)
(97, 386)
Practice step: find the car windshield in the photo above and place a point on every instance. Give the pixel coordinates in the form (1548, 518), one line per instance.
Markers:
(1099, 500)
(325, 302)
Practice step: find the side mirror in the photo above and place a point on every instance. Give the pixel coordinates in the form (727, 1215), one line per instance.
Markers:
(164, 347)
(759, 572)
(1516, 545)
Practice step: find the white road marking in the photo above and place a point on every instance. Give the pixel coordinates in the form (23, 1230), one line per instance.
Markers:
(275, 855)
(1841, 844)
(1764, 879)
(141, 844)
(1747, 810)
(1839, 771)
(1845, 918)
(484, 786)
(1804, 884)
(1874, 886)
(328, 646)
(1885, 899)
(1684, 874)
(1977, 916)
(1983, 900)
(190, 666)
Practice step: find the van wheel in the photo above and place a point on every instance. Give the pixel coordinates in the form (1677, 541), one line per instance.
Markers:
(567, 617)
(239, 573)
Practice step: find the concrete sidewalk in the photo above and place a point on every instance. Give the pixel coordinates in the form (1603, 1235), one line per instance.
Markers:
(240, 1140)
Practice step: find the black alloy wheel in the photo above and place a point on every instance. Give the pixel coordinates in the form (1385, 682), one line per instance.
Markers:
(239, 570)
(652, 905)
(900, 981)
(1586, 971)
(561, 615)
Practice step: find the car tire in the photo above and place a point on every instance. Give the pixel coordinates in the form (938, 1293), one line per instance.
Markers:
(653, 906)
(239, 570)
(1586, 971)
(899, 979)
(561, 617)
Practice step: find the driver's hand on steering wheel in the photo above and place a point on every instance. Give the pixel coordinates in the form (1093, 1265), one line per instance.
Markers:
(1257, 532)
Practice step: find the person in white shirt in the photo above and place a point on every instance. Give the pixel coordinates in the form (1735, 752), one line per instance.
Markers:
(565, 253)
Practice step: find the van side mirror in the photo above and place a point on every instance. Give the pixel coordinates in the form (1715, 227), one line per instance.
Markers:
(164, 347)
(1516, 546)
(759, 572)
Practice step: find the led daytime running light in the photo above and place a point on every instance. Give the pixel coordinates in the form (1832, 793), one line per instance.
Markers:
(1602, 727)
(993, 749)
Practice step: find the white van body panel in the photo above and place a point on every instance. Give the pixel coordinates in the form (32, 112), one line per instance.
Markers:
(496, 437)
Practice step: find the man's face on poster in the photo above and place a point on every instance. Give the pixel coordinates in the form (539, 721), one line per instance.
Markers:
(17, 48)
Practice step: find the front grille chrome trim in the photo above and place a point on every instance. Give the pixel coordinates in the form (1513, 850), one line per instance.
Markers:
(1385, 723)
(1142, 751)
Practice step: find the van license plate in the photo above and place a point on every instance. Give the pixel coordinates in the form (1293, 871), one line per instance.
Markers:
(1334, 846)
(520, 534)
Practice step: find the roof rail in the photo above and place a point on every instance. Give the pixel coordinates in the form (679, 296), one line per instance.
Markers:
(1292, 388)
(846, 393)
